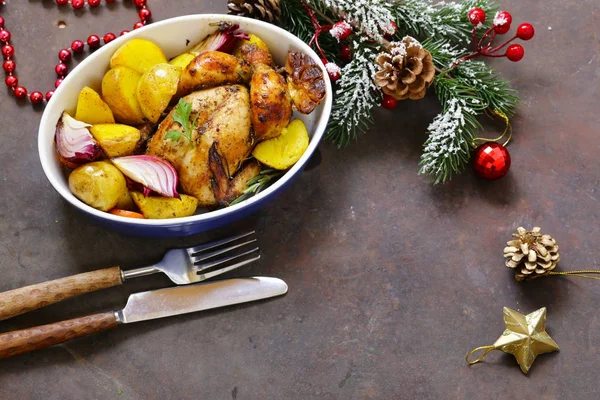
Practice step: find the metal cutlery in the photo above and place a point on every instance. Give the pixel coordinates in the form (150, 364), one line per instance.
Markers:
(182, 266)
(144, 306)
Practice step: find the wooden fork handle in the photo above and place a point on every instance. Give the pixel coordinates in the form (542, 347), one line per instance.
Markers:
(19, 301)
(39, 337)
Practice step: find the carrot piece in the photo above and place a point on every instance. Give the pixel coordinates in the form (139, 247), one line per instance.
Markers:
(126, 214)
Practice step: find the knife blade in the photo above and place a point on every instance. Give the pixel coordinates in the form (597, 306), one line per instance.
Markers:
(145, 306)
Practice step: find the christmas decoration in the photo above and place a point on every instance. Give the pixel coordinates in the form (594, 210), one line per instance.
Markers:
(525, 337)
(64, 55)
(265, 10)
(531, 253)
(388, 102)
(370, 31)
(405, 70)
(490, 161)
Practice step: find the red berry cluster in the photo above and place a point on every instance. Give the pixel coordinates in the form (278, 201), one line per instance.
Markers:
(61, 69)
(500, 26)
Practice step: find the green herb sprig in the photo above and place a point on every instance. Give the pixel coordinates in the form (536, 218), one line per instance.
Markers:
(182, 114)
(257, 184)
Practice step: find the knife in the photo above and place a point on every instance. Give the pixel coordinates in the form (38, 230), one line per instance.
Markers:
(142, 307)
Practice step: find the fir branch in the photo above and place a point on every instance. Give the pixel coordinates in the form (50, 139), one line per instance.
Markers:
(356, 96)
(372, 17)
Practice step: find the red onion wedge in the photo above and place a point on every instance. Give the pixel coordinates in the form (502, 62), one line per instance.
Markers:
(223, 39)
(75, 144)
(152, 172)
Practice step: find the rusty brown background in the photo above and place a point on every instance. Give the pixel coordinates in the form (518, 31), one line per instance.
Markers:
(392, 280)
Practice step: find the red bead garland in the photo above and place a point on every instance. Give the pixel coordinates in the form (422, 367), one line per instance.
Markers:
(64, 55)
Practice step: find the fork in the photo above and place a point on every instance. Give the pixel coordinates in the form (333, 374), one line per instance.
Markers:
(182, 266)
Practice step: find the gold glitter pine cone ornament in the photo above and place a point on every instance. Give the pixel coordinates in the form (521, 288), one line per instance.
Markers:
(405, 70)
(532, 254)
(265, 10)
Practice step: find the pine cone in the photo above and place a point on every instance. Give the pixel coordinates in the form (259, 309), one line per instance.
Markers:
(265, 10)
(531, 254)
(405, 70)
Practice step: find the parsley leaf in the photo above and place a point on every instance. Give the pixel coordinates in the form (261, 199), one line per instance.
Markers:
(182, 114)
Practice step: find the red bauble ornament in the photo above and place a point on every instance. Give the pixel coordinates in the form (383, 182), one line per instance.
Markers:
(346, 52)
(4, 36)
(61, 69)
(20, 92)
(36, 97)
(11, 81)
(388, 102)
(8, 51)
(109, 37)
(77, 46)
(515, 52)
(77, 4)
(476, 16)
(145, 14)
(491, 161)
(94, 3)
(64, 55)
(138, 25)
(93, 41)
(9, 66)
(525, 31)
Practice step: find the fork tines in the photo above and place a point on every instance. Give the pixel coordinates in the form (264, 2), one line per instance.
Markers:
(235, 248)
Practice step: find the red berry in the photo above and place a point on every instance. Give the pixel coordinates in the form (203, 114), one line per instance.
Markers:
(93, 41)
(476, 16)
(388, 102)
(1, 22)
(64, 55)
(525, 31)
(11, 81)
(341, 30)
(58, 82)
(502, 22)
(94, 3)
(9, 66)
(4, 36)
(62, 2)
(125, 32)
(49, 95)
(61, 69)
(8, 51)
(140, 3)
(77, 46)
(36, 97)
(515, 52)
(334, 76)
(77, 4)
(145, 14)
(491, 161)
(346, 52)
(138, 25)
(20, 92)
(394, 28)
(109, 37)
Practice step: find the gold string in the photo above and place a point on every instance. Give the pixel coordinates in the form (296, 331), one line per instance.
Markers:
(579, 273)
(488, 349)
(507, 128)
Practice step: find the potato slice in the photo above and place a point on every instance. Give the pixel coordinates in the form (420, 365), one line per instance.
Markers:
(115, 139)
(156, 207)
(182, 60)
(119, 90)
(139, 55)
(98, 184)
(156, 88)
(283, 151)
(91, 109)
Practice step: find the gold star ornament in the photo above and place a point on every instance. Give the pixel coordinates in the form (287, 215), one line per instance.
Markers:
(525, 338)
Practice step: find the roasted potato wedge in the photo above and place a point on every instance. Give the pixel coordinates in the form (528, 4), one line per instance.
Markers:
(182, 60)
(91, 109)
(283, 151)
(116, 140)
(139, 55)
(98, 184)
(156, 207)
(119, 90)
(126, 202)
(156, 88)
(270, 104)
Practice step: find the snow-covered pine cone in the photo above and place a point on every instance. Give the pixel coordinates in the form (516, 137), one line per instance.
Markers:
(405, 70)
(265, 10)
(531, 253)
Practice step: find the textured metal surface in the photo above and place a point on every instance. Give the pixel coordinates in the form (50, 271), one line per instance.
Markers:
(391, 280)
(169, 302)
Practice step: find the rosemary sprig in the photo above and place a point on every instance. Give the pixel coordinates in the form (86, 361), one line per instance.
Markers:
(264, 179)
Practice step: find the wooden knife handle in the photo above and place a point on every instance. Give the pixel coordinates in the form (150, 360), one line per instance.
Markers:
(19, 301)
(39, 337)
